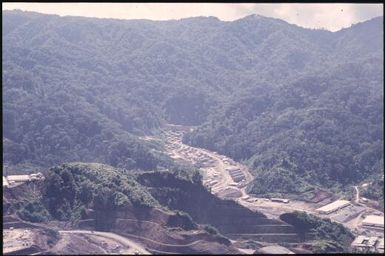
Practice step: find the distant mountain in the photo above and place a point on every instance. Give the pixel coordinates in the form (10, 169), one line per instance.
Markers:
(287, 99)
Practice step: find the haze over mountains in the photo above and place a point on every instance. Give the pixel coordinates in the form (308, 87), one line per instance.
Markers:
(77, 89)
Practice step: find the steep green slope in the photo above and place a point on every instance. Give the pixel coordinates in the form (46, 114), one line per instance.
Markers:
(324, 130)
(329, 237)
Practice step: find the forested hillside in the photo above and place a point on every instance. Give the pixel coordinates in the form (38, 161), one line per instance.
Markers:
(329, 236)
(301, 106)
(323, 129)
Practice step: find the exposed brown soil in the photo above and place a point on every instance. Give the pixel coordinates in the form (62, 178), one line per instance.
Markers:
(42, 236)
(231, 219)
(319, 195)
(150, 227)
(76, 244)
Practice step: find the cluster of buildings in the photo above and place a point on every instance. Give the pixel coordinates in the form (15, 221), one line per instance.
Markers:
(212, 178)
(362, 243)
(370, 221)
(368, 244)
(15, 180)
(236, 174)
(182, 152)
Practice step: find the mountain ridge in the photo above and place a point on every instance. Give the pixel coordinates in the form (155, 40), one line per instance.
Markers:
(212, 18)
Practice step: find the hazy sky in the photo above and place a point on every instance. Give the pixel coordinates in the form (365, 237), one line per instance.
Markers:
(329, 16)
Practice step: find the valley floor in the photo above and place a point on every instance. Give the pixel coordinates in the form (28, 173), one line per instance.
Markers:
(216, 170)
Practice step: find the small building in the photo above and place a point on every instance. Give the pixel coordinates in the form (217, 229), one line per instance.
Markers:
(274, 249)
(233, 168)
(235, 172)
(5, 182)
(332, 207)
(251, 200)
(212, 182)
(280, 200)
(373, 221)
(238, 178)
(18, 178)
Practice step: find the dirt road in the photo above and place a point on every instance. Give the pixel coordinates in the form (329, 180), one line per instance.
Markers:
(126, 242)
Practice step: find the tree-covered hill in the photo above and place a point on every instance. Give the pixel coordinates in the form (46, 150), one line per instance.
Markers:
(71, 188)
(324, 130)
(329, 237)
(294, 102)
